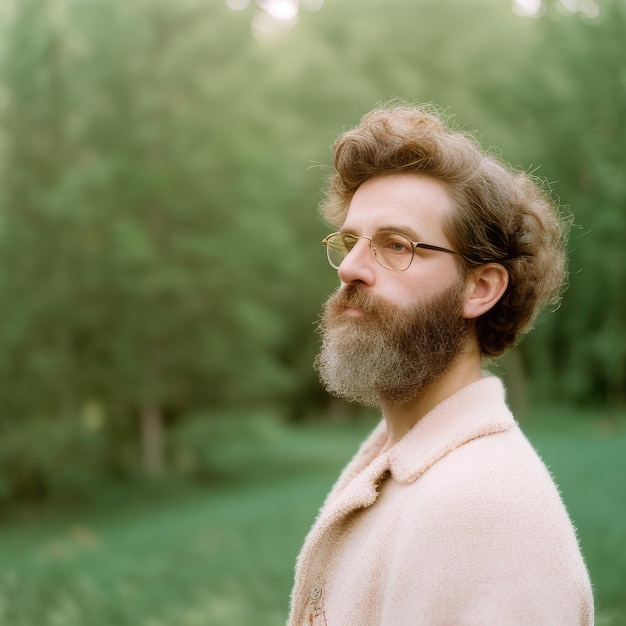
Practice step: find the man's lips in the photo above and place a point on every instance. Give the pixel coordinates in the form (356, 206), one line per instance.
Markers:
(351, 303)
(351, 311)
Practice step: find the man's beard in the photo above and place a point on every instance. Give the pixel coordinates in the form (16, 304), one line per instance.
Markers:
(391, 354)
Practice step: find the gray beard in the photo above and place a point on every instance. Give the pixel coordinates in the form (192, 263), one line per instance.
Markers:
(390, 355)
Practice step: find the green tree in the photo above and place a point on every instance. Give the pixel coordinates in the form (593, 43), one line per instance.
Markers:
(159, 247)
(569, 108)
(125, 201)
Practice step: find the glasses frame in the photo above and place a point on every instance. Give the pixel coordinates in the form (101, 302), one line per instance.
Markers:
(415, 244)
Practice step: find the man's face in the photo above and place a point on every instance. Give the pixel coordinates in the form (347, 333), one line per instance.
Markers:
(387, 335)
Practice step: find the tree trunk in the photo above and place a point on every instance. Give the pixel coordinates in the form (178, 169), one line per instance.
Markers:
(151, 424)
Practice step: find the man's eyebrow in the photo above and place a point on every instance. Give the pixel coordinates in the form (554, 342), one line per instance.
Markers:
(402, 230)
(407, 231)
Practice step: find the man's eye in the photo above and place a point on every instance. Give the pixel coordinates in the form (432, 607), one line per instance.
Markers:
(396, 245)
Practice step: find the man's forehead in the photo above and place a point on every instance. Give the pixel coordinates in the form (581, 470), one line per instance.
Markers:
(411, 204)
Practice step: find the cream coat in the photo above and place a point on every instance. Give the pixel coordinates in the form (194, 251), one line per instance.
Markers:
(459, 523)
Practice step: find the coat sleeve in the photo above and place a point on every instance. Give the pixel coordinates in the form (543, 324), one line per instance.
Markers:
(479, 544)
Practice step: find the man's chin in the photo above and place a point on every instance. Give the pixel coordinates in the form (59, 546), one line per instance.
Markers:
(365, 397)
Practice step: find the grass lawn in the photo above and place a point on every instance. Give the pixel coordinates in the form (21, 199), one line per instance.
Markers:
(223, 555)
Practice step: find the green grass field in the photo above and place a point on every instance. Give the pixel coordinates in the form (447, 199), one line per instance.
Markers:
(224, 554)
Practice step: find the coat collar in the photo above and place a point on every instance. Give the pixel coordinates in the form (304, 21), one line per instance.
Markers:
(475, 411)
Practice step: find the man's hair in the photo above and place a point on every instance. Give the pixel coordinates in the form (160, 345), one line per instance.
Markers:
(501, 214)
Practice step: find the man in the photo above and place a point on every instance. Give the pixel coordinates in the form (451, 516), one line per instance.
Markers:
(446, 515)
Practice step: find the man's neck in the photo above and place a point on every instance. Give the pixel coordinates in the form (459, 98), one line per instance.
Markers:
(400, 419)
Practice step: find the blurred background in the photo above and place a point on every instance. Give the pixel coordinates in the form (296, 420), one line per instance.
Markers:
(164, 442)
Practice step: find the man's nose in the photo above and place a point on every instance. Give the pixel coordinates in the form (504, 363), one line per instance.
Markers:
(358, 265)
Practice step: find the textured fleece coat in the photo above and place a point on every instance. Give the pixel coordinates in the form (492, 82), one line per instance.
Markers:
(459, 523)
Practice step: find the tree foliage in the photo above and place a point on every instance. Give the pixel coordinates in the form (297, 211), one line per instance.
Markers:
(160, 171)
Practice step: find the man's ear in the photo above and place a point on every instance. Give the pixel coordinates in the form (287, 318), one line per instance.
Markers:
(484, 288)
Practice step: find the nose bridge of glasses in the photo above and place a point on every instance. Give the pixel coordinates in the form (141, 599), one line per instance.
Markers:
(370, 240)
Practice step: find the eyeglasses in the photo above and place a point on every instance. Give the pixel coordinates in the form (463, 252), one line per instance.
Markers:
(391, 250)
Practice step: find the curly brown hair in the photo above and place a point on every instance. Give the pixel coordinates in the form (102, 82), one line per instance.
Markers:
(502, 214)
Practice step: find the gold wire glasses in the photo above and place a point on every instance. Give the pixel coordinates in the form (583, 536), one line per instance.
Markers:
(392, 250)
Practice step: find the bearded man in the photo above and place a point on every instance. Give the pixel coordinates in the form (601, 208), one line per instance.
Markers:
(446, 515)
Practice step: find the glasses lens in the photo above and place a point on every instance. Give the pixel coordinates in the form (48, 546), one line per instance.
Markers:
(393, 250)
(337, 247)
